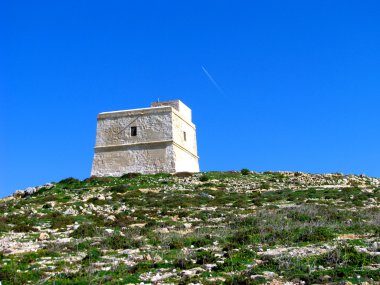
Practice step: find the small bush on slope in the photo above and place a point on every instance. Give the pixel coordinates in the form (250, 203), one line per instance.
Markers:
(84, 230)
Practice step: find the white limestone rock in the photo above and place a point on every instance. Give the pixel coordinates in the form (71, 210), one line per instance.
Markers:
(43, 236)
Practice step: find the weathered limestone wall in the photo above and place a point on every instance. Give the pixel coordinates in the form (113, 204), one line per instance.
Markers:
(117, 152)
(152, 125)
(139, 158)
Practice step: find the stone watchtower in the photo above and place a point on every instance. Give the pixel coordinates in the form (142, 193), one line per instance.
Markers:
(161, 138)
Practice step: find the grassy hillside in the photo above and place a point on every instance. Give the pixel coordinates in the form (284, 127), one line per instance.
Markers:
(209, 228)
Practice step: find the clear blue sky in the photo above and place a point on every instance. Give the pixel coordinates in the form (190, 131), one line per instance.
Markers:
(299, 81)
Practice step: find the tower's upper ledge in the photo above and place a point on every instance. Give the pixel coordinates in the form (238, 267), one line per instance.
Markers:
(133, 112)
(156, 107)
(177, 105)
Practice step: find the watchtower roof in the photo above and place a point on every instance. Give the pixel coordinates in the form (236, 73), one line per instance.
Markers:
(177, 105)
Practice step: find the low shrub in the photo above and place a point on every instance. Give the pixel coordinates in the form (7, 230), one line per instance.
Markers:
(122, 220)
(376, 231)
(93, 254)
(245, 171)
(241, 237)
(265, 186)
(347, 256)
(183, 263)
(60, 221)
(119, 188)
(162, 175)
(83, 231)
(23, 228)
(205, 257)
(257, 201)
(130, 175)
(121, 242)
(96, 201)
(4, 227)
(183, 174)
(204, 178)
(314, 234)
(99, 180)
(176, 243)
(46, 206)
(69, 181)
(198, 241)
(244, 280)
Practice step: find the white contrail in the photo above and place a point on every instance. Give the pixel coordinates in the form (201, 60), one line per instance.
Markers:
(212, 80)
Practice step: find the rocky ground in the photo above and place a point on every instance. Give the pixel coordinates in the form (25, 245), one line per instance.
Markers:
(207, 228)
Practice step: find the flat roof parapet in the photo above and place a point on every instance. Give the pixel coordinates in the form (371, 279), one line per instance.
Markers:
(178, 106)
(132, 112)
(157, 107)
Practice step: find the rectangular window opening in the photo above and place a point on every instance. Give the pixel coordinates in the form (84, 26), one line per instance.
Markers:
(133, 131)
(184, 136)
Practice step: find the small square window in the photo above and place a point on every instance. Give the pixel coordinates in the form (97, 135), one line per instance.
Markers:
(184, 136)
(133, 131)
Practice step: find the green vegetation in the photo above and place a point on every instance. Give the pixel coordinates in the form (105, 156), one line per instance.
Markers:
(204, 178)
(236, 227)
(84, 230)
